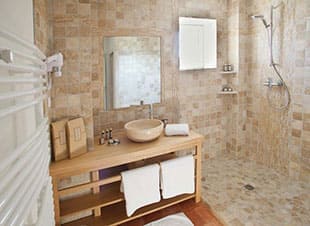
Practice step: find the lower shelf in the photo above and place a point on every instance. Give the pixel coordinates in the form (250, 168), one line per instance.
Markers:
(116, 214)
(109, 194)
(227, 92)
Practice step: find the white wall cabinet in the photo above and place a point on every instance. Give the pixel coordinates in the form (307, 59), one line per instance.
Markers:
(197, 43)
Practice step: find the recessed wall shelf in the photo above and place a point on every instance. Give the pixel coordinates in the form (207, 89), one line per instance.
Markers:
(227, 92)
(228, 72)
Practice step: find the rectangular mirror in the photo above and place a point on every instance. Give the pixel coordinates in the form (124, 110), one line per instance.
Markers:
(132, 71)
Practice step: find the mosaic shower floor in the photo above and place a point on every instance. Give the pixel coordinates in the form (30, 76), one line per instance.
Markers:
(275, 200)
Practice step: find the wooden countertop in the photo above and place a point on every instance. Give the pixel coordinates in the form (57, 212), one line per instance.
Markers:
(105, 156)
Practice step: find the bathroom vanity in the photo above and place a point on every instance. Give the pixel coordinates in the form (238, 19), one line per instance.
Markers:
(106, 201)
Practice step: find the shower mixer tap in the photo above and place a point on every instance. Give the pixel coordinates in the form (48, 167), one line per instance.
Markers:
(270, 83)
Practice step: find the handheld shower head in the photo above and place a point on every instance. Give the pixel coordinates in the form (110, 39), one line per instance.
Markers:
(257, 17)
(262, 19)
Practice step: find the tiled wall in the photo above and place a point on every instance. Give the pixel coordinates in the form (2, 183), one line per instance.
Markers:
(187, 96)
(74, 34)
(234, 114)
(78, 31)
(244, 124)
(42, 24)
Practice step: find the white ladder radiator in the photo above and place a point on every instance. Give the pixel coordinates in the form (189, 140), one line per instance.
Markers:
(25, 184)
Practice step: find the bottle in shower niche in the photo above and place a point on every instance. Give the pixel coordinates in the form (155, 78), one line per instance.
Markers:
(225, 67)
(102, 138)
(110, 133)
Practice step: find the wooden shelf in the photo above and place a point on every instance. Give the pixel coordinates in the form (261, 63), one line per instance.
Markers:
(228, 72)
(106, 201)
(116, 214)
(227, 92)
(105, 156)
(110, 194)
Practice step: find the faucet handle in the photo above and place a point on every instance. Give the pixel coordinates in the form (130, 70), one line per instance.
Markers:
(165, 121)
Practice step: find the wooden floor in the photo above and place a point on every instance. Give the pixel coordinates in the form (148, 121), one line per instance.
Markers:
(199, 214)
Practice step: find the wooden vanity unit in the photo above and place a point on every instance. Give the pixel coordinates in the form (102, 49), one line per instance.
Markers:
(106, 201)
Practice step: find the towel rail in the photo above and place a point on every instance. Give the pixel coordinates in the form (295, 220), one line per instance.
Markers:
(19, 107)
(30, 198)
(12, 37)
(46, 215)
(10, 95)
(37, 135)
(24, 171)
(22, 164)
(35, 60)
(15, 79)
(7, 194)
(22, 68)
(21, 212)
(11, 205)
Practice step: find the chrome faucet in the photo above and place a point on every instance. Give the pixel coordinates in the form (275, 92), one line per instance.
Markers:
(151, 111)
(270, 83)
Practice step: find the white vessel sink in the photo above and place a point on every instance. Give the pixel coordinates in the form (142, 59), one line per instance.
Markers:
(144, 130)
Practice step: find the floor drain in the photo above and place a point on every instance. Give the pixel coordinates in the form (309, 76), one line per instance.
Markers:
(249, 187)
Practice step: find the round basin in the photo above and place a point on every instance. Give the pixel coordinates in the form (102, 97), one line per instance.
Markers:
(144, 130)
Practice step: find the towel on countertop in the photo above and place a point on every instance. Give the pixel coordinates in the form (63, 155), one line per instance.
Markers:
(177, 130)
(140, 187)
(178, 176)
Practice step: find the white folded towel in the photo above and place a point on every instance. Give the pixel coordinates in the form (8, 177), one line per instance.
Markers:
(141, 187)
(177, 130)
(178, 176)
(178, 219)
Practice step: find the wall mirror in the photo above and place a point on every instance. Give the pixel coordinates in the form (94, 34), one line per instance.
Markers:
(132, 71)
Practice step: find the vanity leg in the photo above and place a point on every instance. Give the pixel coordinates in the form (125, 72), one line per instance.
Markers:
(198, 173)
(56, 202)
(95, 177)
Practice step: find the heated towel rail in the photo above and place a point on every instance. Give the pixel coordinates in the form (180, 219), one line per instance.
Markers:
(25, 187)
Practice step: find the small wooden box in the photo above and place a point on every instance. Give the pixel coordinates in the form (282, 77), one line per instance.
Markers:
(59, 140)
(76, 135)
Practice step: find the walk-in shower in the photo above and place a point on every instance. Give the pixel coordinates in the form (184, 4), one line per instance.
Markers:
(270, 83)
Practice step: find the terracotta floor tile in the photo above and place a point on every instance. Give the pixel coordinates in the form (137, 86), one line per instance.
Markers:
(198, 213)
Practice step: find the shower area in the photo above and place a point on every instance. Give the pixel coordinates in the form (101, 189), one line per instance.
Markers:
(262, 175)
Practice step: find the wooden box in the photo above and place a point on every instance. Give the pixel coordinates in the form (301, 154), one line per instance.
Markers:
(76, 135)
(59, 140)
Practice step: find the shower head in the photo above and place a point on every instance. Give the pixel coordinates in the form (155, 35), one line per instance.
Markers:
(257, 17)
(262, 19)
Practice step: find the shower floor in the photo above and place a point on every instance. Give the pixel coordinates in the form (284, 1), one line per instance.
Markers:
(275, 200)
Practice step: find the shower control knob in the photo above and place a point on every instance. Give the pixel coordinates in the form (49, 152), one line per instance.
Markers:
(270, 83)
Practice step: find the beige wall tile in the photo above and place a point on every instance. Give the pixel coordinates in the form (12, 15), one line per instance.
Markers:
(244, 124)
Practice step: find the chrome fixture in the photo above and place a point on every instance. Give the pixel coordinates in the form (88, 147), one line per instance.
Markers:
(54, 64)
(151, 111)
(249, 187)
(6, 55)
(165, 121)
(270, 83)
(262, 18)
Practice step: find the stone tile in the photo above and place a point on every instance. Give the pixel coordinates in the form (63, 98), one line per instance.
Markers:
(275, 200)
